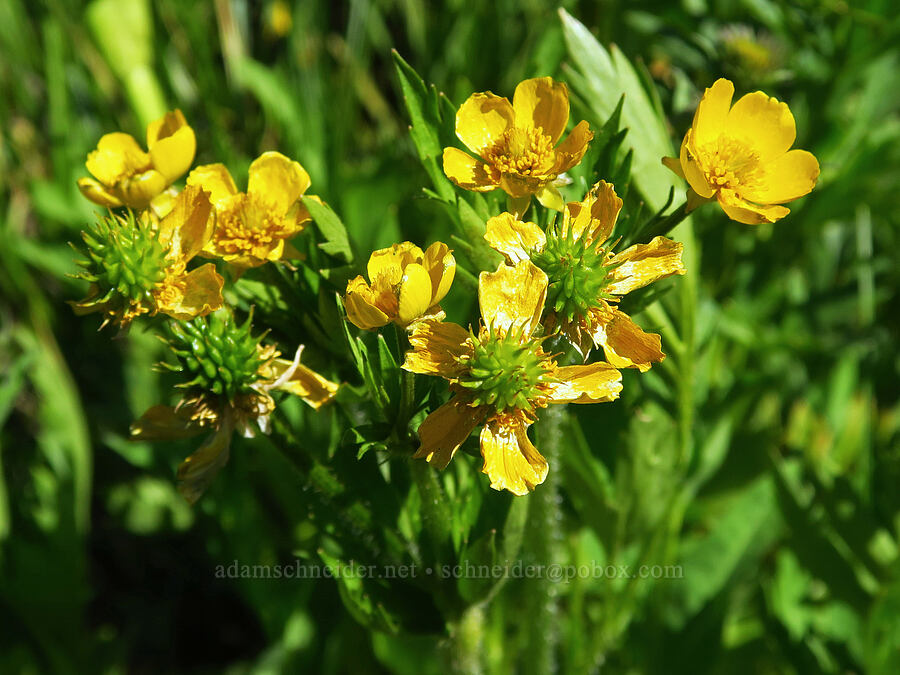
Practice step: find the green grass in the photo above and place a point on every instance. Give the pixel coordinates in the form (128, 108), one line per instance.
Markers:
(762, 457)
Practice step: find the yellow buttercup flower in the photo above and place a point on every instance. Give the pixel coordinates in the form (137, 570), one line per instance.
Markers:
(125, 175)
(500, 378)
(516, 143)
(137, 266)
(232, 380)
(253, 227)
(405, 284)
(586, 279)
(740, 155)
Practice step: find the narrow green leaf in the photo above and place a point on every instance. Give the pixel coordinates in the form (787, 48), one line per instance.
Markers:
(336, 242)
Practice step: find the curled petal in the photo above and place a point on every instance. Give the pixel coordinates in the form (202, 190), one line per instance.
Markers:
(278, 180)
(513, 238)
(712, 112)
(138, 191)
(510, 459)
(388, 263)
(673, 164)
(97, 193)
(441, 266)
(197, 293)
(117, 155)
(550, 198)
(165, 423)
(361, 307)
(437, 347)
(512, 298)
(691, 168)
(188, 226)
(625, 344)
(785, 178)
(642, 264)
(444, 430)
(593, 383)
(518, 186)
(542, 102)
(304, 382)
(215, 179)
(172, 145)
(595, 217)
(467, 172)
(748, 213)
(197, 472)
(482, 119)
(572, 149)
(762, 122)
(415, 294)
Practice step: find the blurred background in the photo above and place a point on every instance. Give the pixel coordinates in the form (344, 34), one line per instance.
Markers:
(787, 519)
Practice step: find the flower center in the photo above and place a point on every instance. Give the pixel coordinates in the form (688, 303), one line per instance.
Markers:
(729, 164)
(505, 372)
(248, 225)
(576, 273)
(526, 152)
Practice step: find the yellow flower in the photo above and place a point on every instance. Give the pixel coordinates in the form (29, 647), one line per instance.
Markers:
(240, 400)
(586, 280)
(740, 155)
(516, 142)
(500, 378)
(253, 227)
(405, 284)
(137, 267)
(127, 176)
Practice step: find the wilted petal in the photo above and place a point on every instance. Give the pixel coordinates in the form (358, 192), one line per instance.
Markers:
(444, 430)
(437, 347)
(513, 297)
(572, 149)
(542, 102)
(593, 383)
(165, 423)
(514, 238)
(304, 382)
(188, 226)
(642, 264)
(625, 344)
(510, 459)
(197, 472)
(197, 293)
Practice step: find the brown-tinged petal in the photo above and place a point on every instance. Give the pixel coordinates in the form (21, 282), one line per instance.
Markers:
(593, 383)
(513, 238)
(542, 102)
(512, 298)
(762, 122)
(215, 179)
(197, 293)
(415, 293)
(278, 180)
(441, 266)
(510, 459)
(437, 347)
(361, 307)
(188, 226)
(444, 430)
(595, 217)
(518, 186)
(785, 178)
(467, 172)
(304, 382)
(165, 423)
(625, 344)
(482, 119)
(197, 472)
(712, 112)
(750, 214)
(642, 264)
(572, 149)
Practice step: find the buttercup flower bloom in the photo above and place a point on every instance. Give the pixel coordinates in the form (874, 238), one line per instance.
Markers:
(127, 176)
(500, 378)
(586, 280)
(136, 267)
(516, 143)
(405, 284)
(231, 380)
(740, 156)
(253, 227)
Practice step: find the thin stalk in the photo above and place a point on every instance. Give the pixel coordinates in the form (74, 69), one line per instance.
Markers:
(463, 650)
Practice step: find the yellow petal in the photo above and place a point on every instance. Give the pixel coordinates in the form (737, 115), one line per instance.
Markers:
(512, 298)
(164, 127)
(304, 382)
(543, 103)
(643, 264)
(444, 430)
(441, 266)
(215, 179)
(693, 172)
(572, 149)
(519, 187)
(389, 262)
(415, 293)
(550, 198)
(138, 191)
(97, 193)
(197, 472)
(513, 238)
(595, 217)
(482, 119)
(712, 112)
(673, 164)
(189, 225)
(361, 309)
(117, 155)
(278, 180)
(763, 123)
(593, 383)
(201, 294)
(165, 423)
(510, 459)
(750, 214)
(172, 156)
(437, 347)
(467, 172)
(785, 178)
(625, 344)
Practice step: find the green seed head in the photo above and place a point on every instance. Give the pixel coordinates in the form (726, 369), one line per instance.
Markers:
(576, 272)
(505, 371)
(217, 354)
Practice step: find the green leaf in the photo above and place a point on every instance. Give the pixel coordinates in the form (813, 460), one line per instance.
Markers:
(336, 242)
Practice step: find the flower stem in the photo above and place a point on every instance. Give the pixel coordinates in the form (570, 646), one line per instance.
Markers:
(463, 650)
(658, 227)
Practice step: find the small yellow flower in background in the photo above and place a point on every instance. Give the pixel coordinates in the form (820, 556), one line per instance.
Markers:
(232, 377)
(137, 267)
(586, 280)
(741, 156)
(500, 378)
(405, 284)
(254, 227)
(127, 176)
(516, 143)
